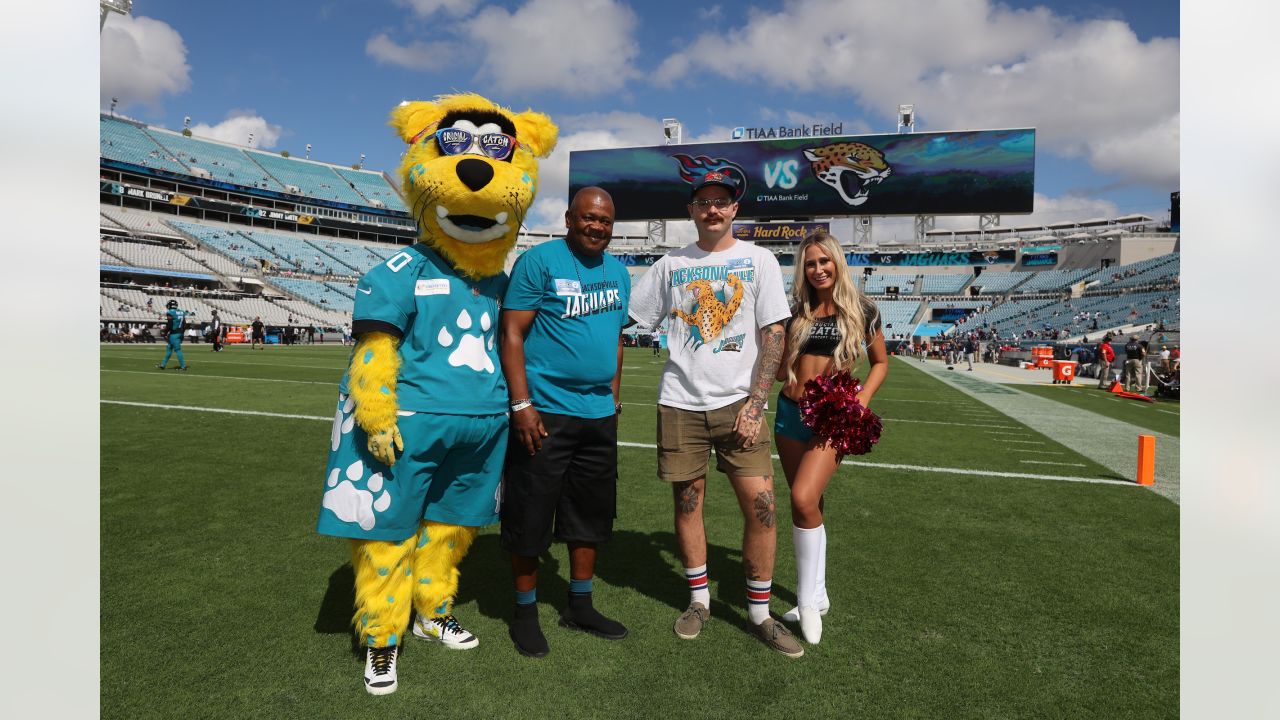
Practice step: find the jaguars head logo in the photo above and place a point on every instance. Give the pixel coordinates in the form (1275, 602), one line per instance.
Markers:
(470, 174)
(849, 167)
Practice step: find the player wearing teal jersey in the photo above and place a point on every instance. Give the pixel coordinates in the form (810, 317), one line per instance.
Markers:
(175, 322)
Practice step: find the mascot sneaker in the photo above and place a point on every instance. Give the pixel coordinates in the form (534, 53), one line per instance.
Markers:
(380, 670)
(445, 630)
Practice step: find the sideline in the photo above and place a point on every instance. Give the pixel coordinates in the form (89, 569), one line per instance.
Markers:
(1109, 442)
(651, 446)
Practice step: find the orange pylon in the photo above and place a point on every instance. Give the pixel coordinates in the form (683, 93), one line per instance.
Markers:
(1147, 460)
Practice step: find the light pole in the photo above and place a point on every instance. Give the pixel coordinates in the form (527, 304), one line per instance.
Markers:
(308, 151)
(250, 139)
(113, 106)
(360, 165)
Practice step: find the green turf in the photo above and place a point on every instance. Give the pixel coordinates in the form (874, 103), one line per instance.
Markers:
(954, 595)
(1161, 416)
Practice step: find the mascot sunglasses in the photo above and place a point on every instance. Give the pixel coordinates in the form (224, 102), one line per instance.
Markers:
(456, 141)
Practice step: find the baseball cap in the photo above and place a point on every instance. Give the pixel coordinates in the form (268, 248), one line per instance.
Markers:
(716, 177)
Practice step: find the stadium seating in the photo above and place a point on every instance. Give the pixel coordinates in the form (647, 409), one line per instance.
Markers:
(876, 284)
(356, 257)
(997, 283)
(373, 186)
(896, 315)
(1163, 269)
(316, 293)
(126, 142)
(148, 255)
(312, 178)
(233, 245)
(943, 284)
(224, 163)
(1054, 280)
(292, 252)
(140, 223)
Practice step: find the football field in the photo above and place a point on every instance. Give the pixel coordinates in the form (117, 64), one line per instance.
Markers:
(976, 567)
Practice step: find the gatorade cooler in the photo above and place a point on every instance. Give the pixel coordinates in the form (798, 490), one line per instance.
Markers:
(1042, 356)
(1064, 371)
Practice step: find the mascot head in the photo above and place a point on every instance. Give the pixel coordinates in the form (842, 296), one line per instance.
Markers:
(470, 174)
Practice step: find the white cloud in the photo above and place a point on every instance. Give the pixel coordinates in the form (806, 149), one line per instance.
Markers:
(142, 60)
(1089, 87)
(580, 47)
(594, 131)
(426, 8)
(236, 129)
(417, 55)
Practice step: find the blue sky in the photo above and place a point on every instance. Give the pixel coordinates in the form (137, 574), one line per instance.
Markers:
(1098, 80)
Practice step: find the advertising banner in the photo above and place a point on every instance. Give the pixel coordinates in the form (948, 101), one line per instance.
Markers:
(1040, 259)
(934, 259)
(777, 232)
(968, 172)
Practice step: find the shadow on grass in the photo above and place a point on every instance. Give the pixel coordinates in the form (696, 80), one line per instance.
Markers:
(337, 606)
(643, 562)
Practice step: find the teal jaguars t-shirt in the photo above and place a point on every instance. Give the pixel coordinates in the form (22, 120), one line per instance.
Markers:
(571, 352)
(448, 325)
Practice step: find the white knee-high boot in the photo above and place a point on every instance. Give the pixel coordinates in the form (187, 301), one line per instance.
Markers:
(820, 599)
(808, 548)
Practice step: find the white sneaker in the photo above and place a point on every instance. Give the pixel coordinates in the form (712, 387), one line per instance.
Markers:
(445, 630)
(380, 670)
(793, 615)
(811, 624)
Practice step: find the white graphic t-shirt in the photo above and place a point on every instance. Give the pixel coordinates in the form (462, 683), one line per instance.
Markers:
(713, 305)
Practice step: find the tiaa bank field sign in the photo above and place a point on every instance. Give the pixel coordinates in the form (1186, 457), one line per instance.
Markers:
(782, 131)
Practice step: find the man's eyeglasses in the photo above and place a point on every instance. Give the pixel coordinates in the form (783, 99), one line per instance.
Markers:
(719, 202)
(456, 141)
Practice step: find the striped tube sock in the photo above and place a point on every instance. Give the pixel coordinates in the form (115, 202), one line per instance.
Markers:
(758, 600)
(698, 592)
(527, 597)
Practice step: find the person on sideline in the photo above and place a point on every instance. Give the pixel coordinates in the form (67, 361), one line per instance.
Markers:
(832, 327)
(723, 302)
(562, 321)
(175, 322)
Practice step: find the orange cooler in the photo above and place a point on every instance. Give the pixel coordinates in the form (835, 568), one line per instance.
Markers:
(1064, 371)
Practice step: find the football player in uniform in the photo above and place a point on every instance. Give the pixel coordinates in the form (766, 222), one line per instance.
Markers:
(175, 322)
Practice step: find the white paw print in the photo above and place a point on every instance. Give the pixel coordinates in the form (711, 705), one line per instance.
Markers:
(345, 496)
(350, 502)
(471, 349)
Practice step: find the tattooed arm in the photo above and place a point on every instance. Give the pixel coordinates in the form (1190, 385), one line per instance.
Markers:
(747, 426)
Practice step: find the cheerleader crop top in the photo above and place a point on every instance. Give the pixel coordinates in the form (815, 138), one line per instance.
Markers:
(824, 335)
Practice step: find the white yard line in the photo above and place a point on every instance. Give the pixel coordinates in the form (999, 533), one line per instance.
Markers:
(179, 373)
(226, 411)
(1036, 452)
(1050, 462)
(651, 446)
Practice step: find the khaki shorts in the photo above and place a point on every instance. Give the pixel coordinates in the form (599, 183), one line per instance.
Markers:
(686, 437)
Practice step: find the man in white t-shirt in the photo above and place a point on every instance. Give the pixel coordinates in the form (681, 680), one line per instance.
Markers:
(724, 306)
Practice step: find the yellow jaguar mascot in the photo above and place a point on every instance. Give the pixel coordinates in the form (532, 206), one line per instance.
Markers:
(420, 429)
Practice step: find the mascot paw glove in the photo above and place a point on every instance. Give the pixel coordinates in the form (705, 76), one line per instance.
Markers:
(384, 443)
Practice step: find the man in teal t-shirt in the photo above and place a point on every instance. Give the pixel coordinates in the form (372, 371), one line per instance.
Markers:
(175, 322)
(562, 321)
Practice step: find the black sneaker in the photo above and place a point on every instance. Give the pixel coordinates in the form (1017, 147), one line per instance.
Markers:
(380, 670)
(526, 633)
(580, 615)
(159, 367)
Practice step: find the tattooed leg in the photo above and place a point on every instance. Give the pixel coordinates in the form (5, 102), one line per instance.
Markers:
(691, 536)
(759, 532)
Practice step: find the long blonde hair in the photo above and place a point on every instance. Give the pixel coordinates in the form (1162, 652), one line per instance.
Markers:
(850, 316)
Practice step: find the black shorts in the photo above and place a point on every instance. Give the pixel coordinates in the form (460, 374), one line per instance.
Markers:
(573, 480)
